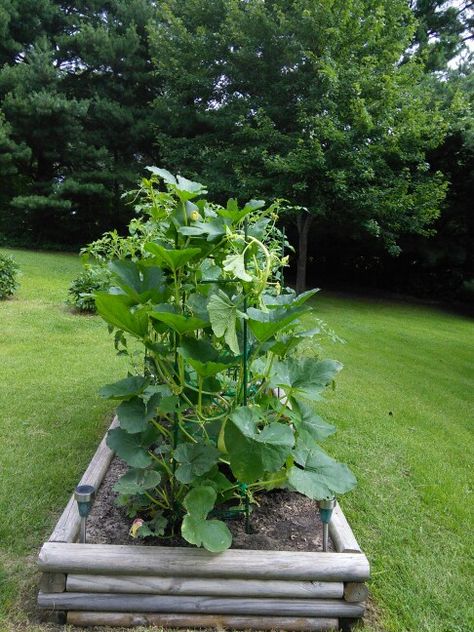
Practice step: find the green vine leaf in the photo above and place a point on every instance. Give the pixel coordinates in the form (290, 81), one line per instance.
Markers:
(136, 481)
(128, 447)
(265, 324)
(319, 476)
(172, 259)
(177, 322)
(235, 264)
(141, 282)
(124, 389)
(306, 378)
(223, 315)
(204, 358)
(252, 451)
(195, 459)
(115, 309)
(213, 535)
(134, 414)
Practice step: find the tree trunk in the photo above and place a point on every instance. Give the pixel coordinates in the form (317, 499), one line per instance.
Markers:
(303, 222)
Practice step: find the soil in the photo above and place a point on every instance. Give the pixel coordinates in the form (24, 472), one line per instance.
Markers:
(282, 520)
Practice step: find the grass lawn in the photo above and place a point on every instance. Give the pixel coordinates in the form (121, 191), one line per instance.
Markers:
(402, 408)
(51, 418)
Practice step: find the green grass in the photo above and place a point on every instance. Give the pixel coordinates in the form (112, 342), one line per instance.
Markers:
(412, 510)
(403, 407)
(51, 418)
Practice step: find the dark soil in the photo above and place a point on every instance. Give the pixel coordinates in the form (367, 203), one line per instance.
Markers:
(282, 520)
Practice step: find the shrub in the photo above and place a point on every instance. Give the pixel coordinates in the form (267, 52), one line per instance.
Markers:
(8, 276)
(81, 292)
(216, 336)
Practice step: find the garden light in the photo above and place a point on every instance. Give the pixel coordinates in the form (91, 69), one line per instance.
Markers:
(84, 496)
(326, 507)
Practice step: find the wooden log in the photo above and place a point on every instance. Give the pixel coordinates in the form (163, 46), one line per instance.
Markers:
(209, 586)
(183, 604)
(106, 559)
(191, 622)
(67, 527)
(52, 582)
(355, 592)
(341, 533)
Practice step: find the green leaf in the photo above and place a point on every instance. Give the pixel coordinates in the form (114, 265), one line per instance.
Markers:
(187, 189)
(140, 281)
(253, 452)
(236, 265)
(305, 378)
(223, 314)
(180, 324)
(164, 174)
(305, 419)
(264, 325)
(204, 358)
(292, 299)
(321, 476)
(235, 214)
(128, 447)
(115, 309)
(195, 459)
(136, 481)
(134, 415)
(214, 229)
(124, 389)
(199, 501)
(172, 259)
(213, 535)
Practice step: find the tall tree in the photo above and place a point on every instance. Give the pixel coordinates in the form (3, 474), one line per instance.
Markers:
(76, 88)
(306, 100)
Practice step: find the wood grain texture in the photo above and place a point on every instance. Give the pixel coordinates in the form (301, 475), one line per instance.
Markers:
(127, 620)
(210, 587)
(106, 559)
(355, 592)
(341, 533)
(183, 604)
(67, 527)
(52, 582)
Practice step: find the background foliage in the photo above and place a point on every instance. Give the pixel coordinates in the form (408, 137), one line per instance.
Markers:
(359, 111)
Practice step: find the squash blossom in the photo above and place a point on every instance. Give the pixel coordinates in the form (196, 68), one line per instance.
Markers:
(136, 524)
(195, 216)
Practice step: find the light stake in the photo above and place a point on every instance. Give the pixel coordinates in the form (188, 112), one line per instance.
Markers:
(326, 507)
(84, 496)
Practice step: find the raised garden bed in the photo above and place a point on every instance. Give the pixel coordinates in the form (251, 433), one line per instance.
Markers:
(131, 585)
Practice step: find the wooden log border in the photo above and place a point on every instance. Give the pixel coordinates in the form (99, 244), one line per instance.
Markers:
(128, 586)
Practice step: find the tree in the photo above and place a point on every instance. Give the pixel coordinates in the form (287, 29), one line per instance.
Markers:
(442, 31)
(306, 100)
(75, 90)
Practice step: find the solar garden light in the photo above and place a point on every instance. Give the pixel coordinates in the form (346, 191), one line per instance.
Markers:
(326, 507)
(84, 496)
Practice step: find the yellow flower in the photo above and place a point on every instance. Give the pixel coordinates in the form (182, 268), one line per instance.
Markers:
(136, 524)
(195, 216)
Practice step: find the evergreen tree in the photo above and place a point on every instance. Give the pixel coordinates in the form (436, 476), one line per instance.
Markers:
(76, 90)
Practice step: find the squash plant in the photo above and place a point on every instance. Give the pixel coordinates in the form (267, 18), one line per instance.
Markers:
(201, 427)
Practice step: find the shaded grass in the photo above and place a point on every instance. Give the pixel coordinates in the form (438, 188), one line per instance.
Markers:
(411, 512)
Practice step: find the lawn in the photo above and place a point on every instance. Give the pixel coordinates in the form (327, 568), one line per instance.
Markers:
(402, 408)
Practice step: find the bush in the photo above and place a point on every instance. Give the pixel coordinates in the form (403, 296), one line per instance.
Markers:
(8, 276)
(82, 289)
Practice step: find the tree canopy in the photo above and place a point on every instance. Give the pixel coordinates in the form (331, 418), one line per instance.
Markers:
(351, 110)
